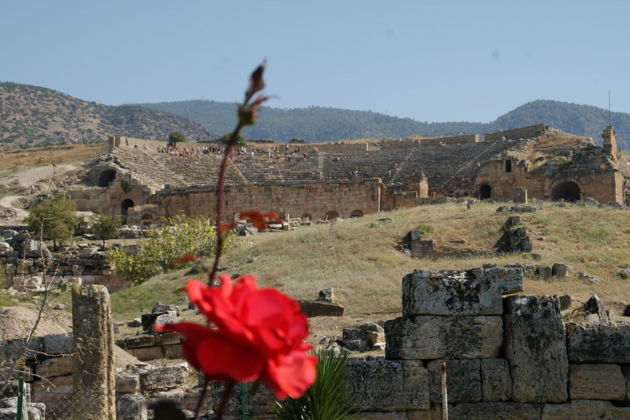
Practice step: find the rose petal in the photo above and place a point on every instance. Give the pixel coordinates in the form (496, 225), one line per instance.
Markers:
(220, 358)
(291, 375)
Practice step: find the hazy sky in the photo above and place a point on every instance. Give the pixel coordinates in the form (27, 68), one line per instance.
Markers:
(428, 60)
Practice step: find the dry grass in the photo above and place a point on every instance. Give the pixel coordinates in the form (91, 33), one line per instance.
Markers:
(38, 156)
(365, 269)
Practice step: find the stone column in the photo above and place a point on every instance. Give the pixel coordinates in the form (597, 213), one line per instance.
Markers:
(94, 395)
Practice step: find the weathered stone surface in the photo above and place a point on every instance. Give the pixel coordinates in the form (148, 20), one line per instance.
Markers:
(596, 382)
(472, 292)
(598, 343)
(535, 347)
(127, 383)
(94, 383)
(596, 310)
(585, 409)
(388, 385)
(164, 377)
(495, 410)
(434, 337)
(55, 366)
(312, 308)
(131, 407)
(496, 383)
(463, 377)
(56, 344)
(560, 271)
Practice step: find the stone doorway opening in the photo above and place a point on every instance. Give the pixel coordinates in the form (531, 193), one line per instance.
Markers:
(124, 208)
(567, 191)
(332, 215)
(106, 177)
(356, 213)
(485, 192)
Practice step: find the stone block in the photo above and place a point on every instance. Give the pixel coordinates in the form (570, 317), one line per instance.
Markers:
(435, 337)
(173, 351)
(535, 347)
(496, 383)
(598, 343)
(131, 407)
(55, 344)
(596, 382)
(463, 377)
(560, 271)
(164, 377)
(127, 383)
(312, 308)
(495, 410)
(138, 341)
(585, 409)
(147, 353)
(55, 366)
(388, 385)
(472, 292)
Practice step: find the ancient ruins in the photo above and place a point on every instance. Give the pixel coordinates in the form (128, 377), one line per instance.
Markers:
(144, 181)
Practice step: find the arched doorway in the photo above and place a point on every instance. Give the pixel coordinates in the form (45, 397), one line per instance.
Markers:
(106, 177)
(124, 207)
(332, 215)
(356, 213)
(567, 191)
(485, 192)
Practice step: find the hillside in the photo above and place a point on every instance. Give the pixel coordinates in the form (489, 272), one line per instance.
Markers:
(31, 115)
(330, 124)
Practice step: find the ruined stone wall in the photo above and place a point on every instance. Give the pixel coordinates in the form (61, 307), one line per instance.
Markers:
(506, 358)
(313, 200)
(335, 147)
(400, 143)
(605, 186)
(131, 143)
(517, 133)
(461, 139)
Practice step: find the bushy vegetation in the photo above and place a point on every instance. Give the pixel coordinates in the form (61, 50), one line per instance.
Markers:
(326, 399)
(177, 137)
(106, 227)
(53, 218)
(164, 247)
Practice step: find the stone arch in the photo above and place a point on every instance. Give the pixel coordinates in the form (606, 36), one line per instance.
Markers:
(125, 205)
(106, 177)
(485, 191)
(567, 191)
(356, 213)
(332, 214)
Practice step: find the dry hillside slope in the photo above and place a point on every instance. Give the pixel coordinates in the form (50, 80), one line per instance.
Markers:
(34, 115)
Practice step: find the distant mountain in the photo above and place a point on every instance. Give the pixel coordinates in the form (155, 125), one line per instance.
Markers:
(32, 115)
(330, 124)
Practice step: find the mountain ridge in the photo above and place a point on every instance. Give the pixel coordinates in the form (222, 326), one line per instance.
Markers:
(34, 115)
(332, 124)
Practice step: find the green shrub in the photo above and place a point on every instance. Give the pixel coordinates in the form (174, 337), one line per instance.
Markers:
(53, 218)
(106, 227)
(164, 246)
(426, 229)
(327, 398)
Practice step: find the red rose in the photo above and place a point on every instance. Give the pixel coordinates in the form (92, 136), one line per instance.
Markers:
(257, 334)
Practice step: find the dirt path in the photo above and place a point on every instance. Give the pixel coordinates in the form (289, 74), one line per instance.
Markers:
(28, 177)
(8, 203)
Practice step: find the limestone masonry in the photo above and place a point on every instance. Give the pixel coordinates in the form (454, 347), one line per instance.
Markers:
(143, 181)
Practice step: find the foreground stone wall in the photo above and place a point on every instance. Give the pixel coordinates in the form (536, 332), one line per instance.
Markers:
(506, 357)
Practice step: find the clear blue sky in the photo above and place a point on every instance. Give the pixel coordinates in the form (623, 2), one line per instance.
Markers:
(428, 60)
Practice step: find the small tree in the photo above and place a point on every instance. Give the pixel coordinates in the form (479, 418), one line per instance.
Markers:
(106, 227)
(242, 141)
(177, 137)
(53, 218)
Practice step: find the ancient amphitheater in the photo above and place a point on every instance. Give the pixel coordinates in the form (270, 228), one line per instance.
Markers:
(322, 181)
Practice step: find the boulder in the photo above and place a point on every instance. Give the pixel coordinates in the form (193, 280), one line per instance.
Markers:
(434, 337)
(624, 273)
(535, 347)
(161, 307)
(596, 310)
(462, 376)
(472, 292)
(598, 343)
(362, 337)
(560, 271)
(597, 382)
(4, 247)
(312, 308)
(565, 302)
(388, 385)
